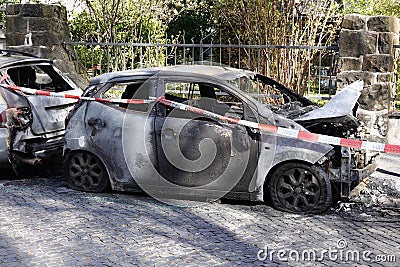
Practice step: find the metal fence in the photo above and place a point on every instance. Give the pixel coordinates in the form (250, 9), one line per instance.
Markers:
(307, 69)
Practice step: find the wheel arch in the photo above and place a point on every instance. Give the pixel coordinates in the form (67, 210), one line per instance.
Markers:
(279, 164)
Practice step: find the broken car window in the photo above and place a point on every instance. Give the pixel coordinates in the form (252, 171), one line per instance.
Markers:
(42, 77)
(137, 90)
(204, 96)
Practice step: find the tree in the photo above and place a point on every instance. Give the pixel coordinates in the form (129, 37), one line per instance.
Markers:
(194, 20)
(122, 21)
(282, 22)
(373, 7)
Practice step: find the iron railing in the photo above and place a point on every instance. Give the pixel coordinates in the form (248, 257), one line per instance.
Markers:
(312, 69)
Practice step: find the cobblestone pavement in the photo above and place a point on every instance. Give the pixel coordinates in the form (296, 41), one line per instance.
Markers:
(42, 223)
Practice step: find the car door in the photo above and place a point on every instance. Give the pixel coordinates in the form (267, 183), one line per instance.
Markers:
(198, 155)
(48, 113)
(121, 134)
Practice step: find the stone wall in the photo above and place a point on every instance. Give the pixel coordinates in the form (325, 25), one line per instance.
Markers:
(41, 30)
(46, 25)
(366, 52)
(2, 39)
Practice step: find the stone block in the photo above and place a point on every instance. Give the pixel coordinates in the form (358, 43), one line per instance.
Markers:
(385, 77)
(347, 77)
(357, 43)
(375, 97)
(378, 63)
(15, 39)
(13, 10)
(383, 24)
(45, 39)
(16, 24)
(40, 24)
(354, 22)
(385, 43)
(350, 64)
(31, 10)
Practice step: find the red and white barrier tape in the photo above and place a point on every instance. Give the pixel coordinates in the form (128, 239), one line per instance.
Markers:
(64, 95)
(303, 135)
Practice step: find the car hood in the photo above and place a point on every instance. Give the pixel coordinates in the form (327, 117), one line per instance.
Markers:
(341, 105)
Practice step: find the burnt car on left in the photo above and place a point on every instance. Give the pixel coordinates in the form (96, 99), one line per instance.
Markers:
(31, 126)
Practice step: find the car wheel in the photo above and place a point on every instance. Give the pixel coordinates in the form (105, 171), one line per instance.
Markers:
(299, 188)
(85, 172)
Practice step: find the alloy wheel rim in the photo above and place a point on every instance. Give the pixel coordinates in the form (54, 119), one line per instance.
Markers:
(85, 171)
(298, 190)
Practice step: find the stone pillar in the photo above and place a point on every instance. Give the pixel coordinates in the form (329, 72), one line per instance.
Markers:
(366, 52)
(42, 30)
(44, 25)
(2, 39)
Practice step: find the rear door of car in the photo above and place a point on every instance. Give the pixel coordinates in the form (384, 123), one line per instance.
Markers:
(48, 113)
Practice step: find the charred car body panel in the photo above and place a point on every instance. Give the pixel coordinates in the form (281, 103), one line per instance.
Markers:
(33, 126)
(169, 152)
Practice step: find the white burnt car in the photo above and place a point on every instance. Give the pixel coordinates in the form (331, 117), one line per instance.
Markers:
(31, 126)
(154, 146)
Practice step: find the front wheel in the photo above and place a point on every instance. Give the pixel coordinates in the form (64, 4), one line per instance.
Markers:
(85, 172)
(299, 188)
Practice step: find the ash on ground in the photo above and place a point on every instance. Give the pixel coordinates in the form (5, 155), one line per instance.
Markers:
(378, 195)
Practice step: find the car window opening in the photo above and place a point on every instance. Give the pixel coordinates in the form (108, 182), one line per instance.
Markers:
(129, 91)
(42, 77)
(204, 96)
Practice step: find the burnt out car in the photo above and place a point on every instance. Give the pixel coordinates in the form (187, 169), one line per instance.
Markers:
(151, 145)
(32, 127)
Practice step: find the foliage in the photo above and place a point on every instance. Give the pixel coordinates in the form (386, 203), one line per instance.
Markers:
(372, 7)
(283, 22)
(319, 102)
(122, 21)
(193, 21)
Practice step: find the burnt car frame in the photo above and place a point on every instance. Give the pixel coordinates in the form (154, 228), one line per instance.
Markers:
(32, 127)
(157, 148)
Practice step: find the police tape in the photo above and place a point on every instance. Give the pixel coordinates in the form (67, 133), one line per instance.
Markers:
(293, 133)
(77, 97)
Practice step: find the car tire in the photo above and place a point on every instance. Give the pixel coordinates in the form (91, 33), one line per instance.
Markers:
(85, 172)
(299, 188)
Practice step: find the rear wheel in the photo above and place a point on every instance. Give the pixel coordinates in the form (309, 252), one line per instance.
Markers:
(299, 188)
(85, 172)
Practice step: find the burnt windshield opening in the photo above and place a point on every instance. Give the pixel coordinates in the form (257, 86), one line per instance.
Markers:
(276, 96)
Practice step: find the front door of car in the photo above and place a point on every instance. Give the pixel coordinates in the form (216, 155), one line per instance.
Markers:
(121, 133)
(198, 155)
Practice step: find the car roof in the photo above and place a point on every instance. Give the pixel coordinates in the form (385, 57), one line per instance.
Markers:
(221, 72)
(7, 60)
